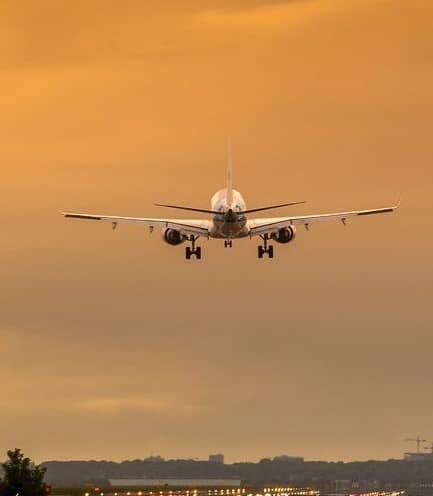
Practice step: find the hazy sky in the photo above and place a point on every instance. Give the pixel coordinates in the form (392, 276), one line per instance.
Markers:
(111, 345)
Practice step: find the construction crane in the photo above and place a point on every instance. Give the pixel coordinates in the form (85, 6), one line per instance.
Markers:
(418, 442)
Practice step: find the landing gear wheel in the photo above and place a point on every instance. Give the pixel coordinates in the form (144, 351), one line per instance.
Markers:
(228, 243)
(193, 250)
(262, 249)
(271, 251)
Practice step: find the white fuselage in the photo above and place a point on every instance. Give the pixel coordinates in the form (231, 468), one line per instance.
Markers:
(230, 222)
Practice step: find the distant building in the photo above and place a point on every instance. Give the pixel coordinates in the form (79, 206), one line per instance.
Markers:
(218, 458)
(286, 458)
(343, 484)
(188, 483)
(418, 457)
(154, 459)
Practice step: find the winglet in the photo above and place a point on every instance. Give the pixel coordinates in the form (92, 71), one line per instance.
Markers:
(399, 202)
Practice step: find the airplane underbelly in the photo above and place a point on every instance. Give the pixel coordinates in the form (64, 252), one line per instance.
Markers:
(223, 229)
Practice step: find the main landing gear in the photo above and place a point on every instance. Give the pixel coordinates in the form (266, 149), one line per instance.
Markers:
(262, 249)
(193, 250)
(228, 243)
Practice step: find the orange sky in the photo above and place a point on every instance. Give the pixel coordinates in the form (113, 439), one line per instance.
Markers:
(111, 345)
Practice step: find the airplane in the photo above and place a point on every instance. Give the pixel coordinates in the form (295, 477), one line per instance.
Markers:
(229, 221)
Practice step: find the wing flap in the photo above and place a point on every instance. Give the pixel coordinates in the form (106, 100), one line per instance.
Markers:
(187, 226)
(271, 225)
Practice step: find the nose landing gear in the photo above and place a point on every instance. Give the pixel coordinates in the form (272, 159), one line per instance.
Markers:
(265, 249)
(193, 250)
(228, 243)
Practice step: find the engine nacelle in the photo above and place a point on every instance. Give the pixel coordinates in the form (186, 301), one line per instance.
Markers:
(173, 237)
(285, 235)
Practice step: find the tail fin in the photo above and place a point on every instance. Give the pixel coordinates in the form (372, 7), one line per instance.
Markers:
(229, 185)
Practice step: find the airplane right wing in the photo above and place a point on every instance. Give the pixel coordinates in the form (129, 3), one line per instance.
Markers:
(259, 227)
(185, 226)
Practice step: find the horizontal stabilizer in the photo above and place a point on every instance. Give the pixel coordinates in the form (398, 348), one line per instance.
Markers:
(190, 209)
(270, 207)
(215, 212)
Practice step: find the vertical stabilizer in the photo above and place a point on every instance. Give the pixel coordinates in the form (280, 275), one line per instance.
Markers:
(229, 184)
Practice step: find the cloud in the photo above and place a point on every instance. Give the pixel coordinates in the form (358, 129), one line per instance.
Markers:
(98, 405)
(115, 404)
(255, 14)
(129, 404)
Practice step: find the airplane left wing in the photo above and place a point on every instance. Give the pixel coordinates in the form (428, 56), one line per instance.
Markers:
(259, 227)
(186, 226)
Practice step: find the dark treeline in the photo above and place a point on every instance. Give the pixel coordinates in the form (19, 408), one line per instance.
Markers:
(264, 472)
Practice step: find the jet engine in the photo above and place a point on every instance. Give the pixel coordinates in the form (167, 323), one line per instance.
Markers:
(173, 237)
(285, 235)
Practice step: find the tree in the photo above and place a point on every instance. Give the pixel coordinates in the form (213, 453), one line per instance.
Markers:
(22, 477)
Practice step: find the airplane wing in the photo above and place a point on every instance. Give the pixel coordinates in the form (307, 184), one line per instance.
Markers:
(272, 225)
(186, 226)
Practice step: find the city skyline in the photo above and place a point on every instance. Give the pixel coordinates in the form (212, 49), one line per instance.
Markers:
(111, 345)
